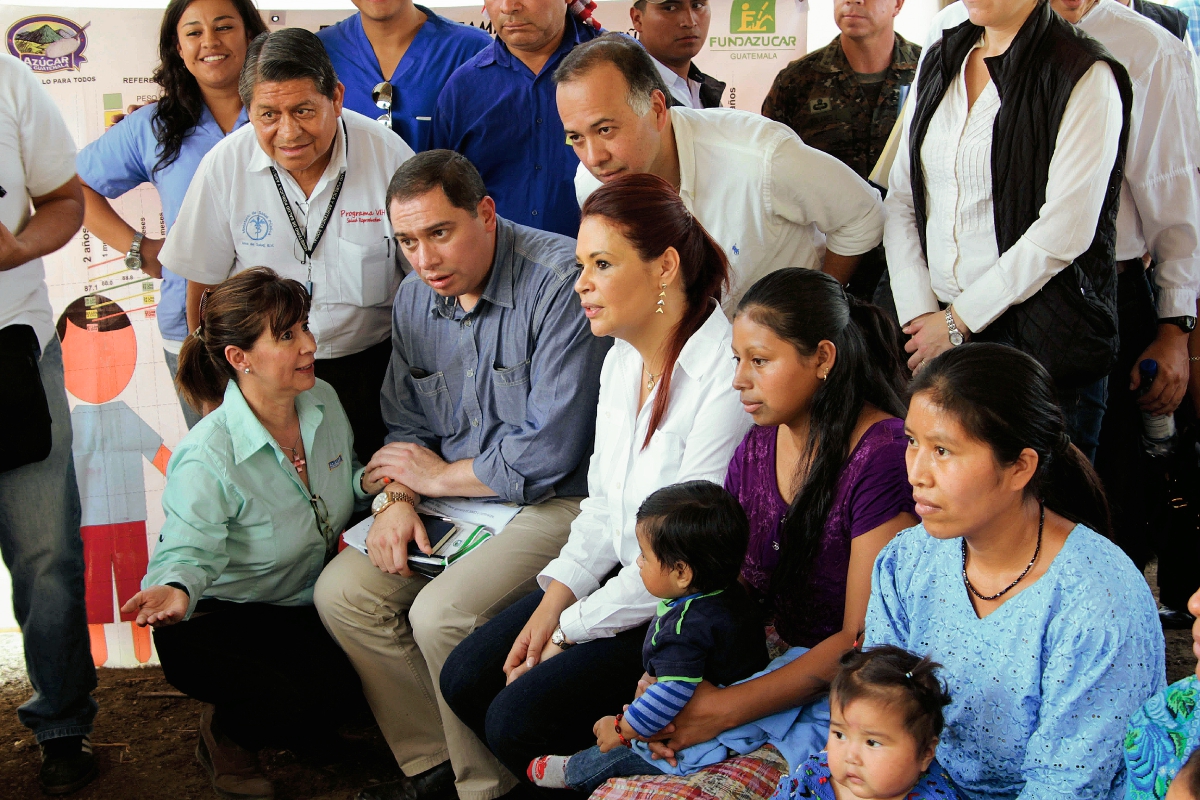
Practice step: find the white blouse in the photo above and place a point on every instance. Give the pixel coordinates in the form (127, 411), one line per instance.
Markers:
(964, 266)
(703, 425)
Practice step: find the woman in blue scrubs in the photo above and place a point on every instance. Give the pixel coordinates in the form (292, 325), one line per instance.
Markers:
(202, 45)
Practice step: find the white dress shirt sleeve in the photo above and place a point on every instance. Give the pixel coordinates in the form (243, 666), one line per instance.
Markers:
(912, 288)
(623, 602)
(47, 149)
(200, 246)
(1162, 174)
(812, 187)
(1084, 153)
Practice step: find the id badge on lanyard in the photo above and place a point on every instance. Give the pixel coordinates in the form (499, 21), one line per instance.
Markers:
(300, 233)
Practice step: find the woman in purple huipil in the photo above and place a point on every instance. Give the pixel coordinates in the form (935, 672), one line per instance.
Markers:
(821, 477)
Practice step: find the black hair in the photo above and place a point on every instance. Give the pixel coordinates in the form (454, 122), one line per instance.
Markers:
(235, 313)
(701, 525)
(181, 103)
(1005, 399)
(452, 172)
(895, 676)
(1189, 774)
(287, 55)
(628, 56)
(805, 307)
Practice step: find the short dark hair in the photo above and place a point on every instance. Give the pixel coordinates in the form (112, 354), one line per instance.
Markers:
(452, 172)
(628, 56)
(895, 676)
(699, 524)
(286, 55)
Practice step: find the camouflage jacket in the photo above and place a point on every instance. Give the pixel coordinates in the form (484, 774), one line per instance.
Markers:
(820, 99)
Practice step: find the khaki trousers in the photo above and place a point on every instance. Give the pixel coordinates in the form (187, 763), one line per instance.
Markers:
(398, 632)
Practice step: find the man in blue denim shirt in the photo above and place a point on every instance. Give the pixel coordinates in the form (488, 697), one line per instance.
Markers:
(491, 391)
(498, 110)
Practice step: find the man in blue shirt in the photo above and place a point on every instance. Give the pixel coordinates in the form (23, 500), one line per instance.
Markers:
(491, 392)
(499, 111)
(406, 46)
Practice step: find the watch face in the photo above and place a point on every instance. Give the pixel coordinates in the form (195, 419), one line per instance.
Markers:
(379, 502)
(133, 262)
(956, 338)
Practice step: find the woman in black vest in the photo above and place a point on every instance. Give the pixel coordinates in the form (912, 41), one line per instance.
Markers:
(1001, 223)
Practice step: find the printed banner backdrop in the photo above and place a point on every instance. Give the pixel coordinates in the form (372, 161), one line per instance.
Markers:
(96, 63)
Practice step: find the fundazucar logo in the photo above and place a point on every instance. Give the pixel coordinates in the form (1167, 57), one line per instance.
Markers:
(48, 43)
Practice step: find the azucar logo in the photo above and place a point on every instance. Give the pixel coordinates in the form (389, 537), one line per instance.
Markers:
(47, 43)
(257, 226)
(752, 16)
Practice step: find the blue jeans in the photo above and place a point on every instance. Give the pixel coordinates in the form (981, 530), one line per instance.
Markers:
(39, 538)
(190, 415)
(1084, 412)
(587, 769)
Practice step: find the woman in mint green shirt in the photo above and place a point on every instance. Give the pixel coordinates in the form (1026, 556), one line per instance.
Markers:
(257, 494)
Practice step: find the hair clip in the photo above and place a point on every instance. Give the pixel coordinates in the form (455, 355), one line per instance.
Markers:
(908, 675)
(203, 304)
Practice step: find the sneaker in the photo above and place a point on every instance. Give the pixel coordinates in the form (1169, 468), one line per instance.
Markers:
(67, 764)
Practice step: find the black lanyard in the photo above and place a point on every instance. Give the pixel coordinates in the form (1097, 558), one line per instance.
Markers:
(301, 235)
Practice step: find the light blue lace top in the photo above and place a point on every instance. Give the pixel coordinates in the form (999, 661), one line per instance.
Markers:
(1042, 687)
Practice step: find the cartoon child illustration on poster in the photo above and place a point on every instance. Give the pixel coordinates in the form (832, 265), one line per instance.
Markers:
(99, 355)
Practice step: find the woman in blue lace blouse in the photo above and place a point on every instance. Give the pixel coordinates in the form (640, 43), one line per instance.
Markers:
(1047, 634)
(1165, 731)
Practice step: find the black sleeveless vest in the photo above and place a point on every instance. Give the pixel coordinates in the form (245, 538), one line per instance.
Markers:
(1070, 325)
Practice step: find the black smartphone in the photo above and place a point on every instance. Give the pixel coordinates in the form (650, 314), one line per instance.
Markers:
(439, 529)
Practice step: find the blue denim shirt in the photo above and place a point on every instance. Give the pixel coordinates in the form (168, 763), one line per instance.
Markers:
(505, 120)
(512, 384)
(440, 47)
(124, 158)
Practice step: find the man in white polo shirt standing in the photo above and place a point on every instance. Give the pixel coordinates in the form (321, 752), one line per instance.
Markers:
(301, 190)
(767, 198)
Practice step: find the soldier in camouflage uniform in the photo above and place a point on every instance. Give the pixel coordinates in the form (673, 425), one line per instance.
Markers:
(833, 109)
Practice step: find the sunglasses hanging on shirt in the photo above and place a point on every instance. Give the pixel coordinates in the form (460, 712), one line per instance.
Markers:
(381, 95)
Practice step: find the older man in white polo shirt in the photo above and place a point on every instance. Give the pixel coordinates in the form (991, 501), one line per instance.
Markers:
(768, 199)
(301, 190)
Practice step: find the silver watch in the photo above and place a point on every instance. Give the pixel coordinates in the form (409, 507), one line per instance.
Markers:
(133, 259)
(560, 640)
(956, 337)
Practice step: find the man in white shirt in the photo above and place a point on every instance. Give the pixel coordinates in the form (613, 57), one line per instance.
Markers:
(39, 499)
(760, 192)
(673, 33)
(300, 190)
(1160, 215)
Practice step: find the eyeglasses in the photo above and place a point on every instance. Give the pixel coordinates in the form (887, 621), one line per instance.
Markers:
(321, 511)
(381, 95)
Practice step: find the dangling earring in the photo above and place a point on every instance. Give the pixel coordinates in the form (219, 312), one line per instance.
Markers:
(662, 296)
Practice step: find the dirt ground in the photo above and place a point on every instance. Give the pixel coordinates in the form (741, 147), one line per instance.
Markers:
(145, 741)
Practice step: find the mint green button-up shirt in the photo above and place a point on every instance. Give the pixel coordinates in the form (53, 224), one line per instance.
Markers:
(240, 525)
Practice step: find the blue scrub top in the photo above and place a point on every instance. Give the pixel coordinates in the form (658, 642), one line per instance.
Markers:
(504, 118)
(440, 47)
(124, 158)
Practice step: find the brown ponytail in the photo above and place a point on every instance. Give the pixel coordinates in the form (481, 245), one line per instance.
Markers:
(650, 214)
(235, 314)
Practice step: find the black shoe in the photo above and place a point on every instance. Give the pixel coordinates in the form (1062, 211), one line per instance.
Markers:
(67, 764)
(432, 784)
(1173, 619)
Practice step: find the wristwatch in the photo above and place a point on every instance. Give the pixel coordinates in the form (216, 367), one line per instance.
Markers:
(560, 640)
(956, 337)
(133, 259)
(1186, 324)
(390, 498)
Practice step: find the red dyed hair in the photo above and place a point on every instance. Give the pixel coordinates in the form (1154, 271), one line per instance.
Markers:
(650, 214)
